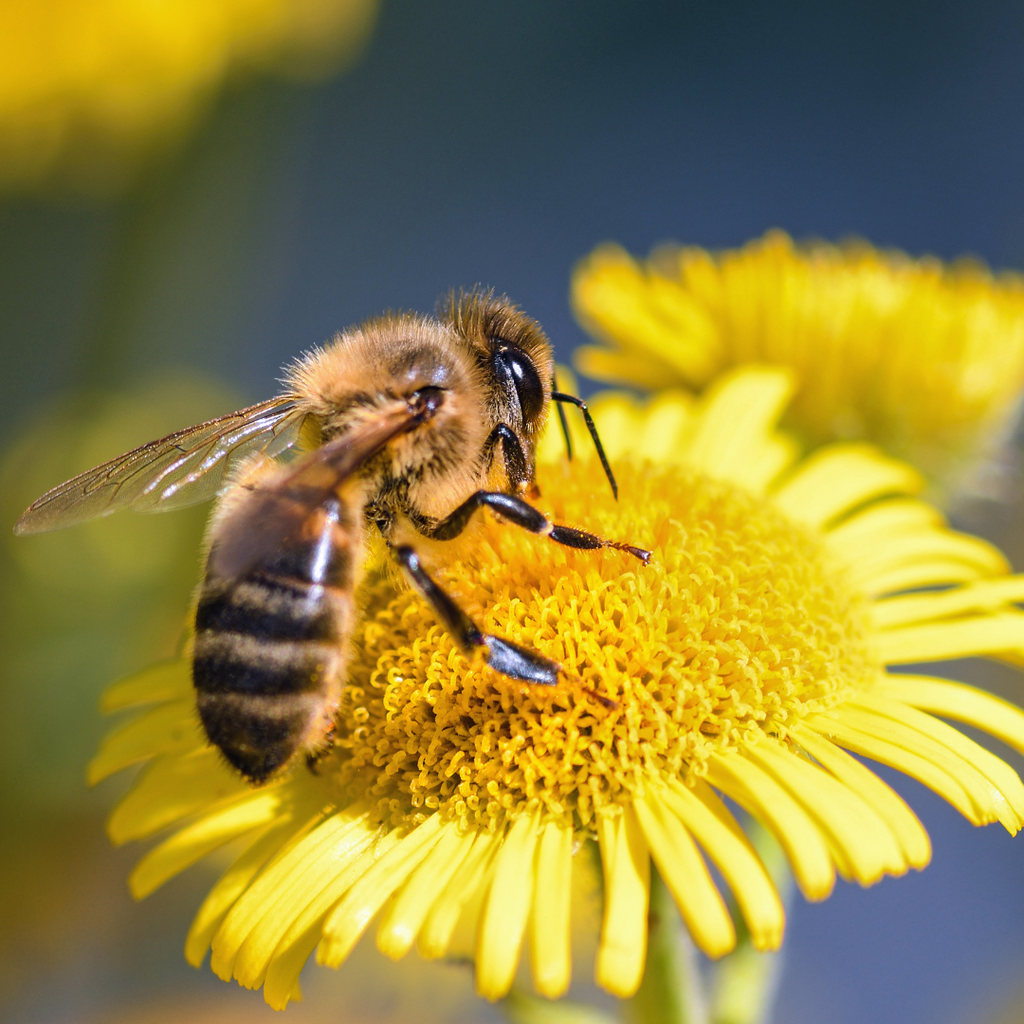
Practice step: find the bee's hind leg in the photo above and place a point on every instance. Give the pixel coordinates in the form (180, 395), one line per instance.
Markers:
(503, 656)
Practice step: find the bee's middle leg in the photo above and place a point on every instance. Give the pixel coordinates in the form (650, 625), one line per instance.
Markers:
(523, 514)
(503, 656)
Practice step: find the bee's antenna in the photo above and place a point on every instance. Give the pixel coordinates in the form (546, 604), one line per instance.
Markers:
(558, 396)
(561, 419)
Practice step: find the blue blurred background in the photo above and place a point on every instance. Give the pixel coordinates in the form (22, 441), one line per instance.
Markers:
(473, 142)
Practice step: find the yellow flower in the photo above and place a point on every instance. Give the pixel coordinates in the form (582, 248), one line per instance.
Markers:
(88, 87)
(745, 662)
(923, 359)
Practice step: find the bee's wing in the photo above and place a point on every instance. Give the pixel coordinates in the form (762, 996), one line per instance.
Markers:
(277, 511)
(184, 468)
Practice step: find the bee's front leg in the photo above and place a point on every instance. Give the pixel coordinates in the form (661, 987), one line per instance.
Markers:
(503, 656)
(523, 514)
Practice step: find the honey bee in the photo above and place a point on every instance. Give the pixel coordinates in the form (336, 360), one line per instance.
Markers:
(414, 423)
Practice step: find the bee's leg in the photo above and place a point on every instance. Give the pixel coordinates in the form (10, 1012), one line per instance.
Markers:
(517, 511)
(515, 459)
(502, 655)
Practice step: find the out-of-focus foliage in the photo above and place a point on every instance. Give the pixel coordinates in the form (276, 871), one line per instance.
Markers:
(77, 606)
(80, 605)
(90, 88)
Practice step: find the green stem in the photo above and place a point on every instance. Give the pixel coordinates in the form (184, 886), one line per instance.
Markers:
(523, 1008)
(746, 980)
(744, 986)
(672, 991)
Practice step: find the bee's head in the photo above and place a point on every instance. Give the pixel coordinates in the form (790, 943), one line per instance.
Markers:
(516, 358)
(516, 364)
(514, 355)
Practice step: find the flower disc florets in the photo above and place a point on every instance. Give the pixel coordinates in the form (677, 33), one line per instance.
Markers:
(740, 624)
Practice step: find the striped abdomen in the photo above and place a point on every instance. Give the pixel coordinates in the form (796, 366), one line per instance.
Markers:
(270, 647)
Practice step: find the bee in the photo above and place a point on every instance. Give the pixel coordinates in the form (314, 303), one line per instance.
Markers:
(411, 424)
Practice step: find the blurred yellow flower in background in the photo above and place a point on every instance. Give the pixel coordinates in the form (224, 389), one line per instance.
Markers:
(924, 359)
(89, 88)
(745, 662)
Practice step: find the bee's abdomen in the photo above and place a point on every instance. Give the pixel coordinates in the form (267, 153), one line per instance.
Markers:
(257, 735)
(267, 657)
(242, 664)
(269, 654)
(268, 607)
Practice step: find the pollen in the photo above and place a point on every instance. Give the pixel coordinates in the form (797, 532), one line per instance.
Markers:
(739, 626)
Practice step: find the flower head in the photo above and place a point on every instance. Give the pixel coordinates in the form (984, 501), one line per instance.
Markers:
(924, 359)
(744, 662)
(89, 87)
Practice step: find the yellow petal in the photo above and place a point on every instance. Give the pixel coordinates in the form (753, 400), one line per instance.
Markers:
(996, 770)
(726, 844)
(294, 947)
(615, 299)
(627, 893)
(909, 832)
(403, 921)
(550, 942)
(436, 933)
(985, 595)
(195, 841)
(305, 898)
(666, 423)
(928, 572)
(619, 419)
(837, 478)
(884, 557)
(463, 945)
(659, 427)
(961, 702)
(505, 913)
(169, 728)
(867, 846)
(691, 342)
(1001, 633)
(989, 802)
(171, 788)
(881, 523)
(757, 792)
(350, 918)
(635, 369)
(684, 872)
(268, 888)
(738, 410)
(167, 680)
(767, 461)
(925, 770)
(292, 824)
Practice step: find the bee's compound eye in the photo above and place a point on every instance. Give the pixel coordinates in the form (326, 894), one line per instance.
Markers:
(513, 365)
